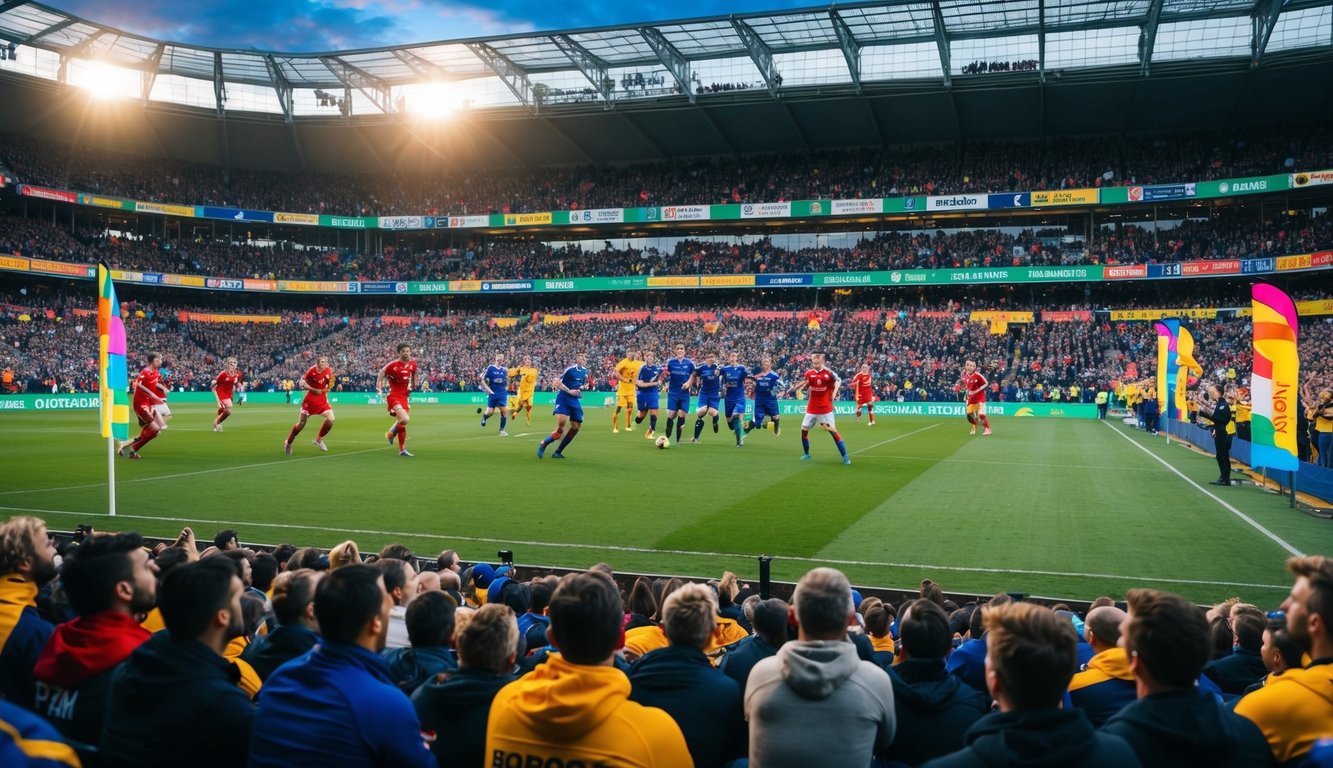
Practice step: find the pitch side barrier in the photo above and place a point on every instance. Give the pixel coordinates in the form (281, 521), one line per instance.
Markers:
(83, 401)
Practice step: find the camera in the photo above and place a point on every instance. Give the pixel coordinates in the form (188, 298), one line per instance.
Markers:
(81, 532)
(506, 556)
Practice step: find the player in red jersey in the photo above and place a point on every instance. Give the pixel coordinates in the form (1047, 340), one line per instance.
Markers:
(224, 387)
(316, 382)
(974, 384)
(401, 378)
(149, 404)
(823, 384)
(862, 385)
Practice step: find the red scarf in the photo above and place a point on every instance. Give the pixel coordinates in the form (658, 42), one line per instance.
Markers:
(88, 646)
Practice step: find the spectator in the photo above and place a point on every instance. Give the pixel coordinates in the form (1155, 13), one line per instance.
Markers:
(818, 685)
(454, 708)
(176, 694)
(430, 628)
(298, 629)
(1173, 722)
(337, 704)
(1280, 653)
(226, 540)
(428, 581)
(398, 552)
(575, 706)
(28, 741)
(878, 619)
(770, 633)
(283, 553)
(533, 624)
(1245, 666)
(27, 562)
(345, 553)
(263, 570)
(1106, 684)
(109, 580)
(1030, 658)
(934, 709)
(448, 561)
(1295, 709)
(401, 583)
(680, 680)
(968, 661)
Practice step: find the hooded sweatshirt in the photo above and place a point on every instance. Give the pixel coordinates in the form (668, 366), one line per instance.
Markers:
(934, 710)
(1189, 727)
(1105, 686)
(1038, 738)
(563, 713)
(704, 702)
(23, 634)
(818, 687)
(454, 713)
(73, 674)
(279, 647)
(1294, 710)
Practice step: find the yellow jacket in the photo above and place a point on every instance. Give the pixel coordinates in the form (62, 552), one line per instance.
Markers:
(1293, 710)
(566, 714)
(725, 632)
(250, 681)
(641, 640)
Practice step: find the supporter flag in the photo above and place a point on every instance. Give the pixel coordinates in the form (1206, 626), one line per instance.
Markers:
(111, 360)
(1185, 364)
(1167, 367)
(1274, 381)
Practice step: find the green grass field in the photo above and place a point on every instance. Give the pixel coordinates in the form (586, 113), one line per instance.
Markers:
(1045, 506)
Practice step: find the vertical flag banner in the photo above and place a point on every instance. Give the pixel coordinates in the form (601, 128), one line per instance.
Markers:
(1185, 365)
(1273, 384)
(111, 360)
(1167, 368)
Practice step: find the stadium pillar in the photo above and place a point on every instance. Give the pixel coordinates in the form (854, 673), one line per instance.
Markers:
(765, 576)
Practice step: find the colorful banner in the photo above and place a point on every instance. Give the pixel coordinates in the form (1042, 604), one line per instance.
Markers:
(348, 222)
(45, 193)
(1314, 308)
(1000, 317)
(976, 202)
(307, 219)
(1158, 314)
(234, 214)
(1216, 267)
(1065, 197)
(186, 211)
(1124, 271)
(1185, 365)
(213, 317)
(766, 210)
(597, 216)
(465, 222)
(112, 372)
(855, 207)
(61, 268)
(1167, 370)
(1275, 381)
(1077, 316)
(97, 201)
(686, 213)
(13, 263)
(403, 222)
(526, 219)
(504, 322)
(1310, 179)
(318, 286)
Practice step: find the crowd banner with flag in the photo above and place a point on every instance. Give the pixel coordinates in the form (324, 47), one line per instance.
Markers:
(112, 374)
(1185, 365)
(1273, 385)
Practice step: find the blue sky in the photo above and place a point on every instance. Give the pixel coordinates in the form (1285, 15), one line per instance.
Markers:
(321, 25)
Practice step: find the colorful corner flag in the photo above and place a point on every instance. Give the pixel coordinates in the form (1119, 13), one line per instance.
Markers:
(1185, 365)
(1168, 331)
(111, 360)
(1273, 385)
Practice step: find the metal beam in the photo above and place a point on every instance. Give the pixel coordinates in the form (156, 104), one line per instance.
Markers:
(1148, 37)
(423, 67)
(51, 30)
(219, 88)
(151, 65)
(514, 76)
(672, 59)
(760, 53)
(851, 50)
(942, 41)
(281, 85)
(73, 53)
(1266, 13)
(374, 88)
(1041, 48)
(590, 65)
(9, 5)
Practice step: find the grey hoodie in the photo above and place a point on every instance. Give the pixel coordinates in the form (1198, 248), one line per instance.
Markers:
(817, 703)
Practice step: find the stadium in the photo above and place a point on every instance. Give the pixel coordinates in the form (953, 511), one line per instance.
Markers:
(971, 295)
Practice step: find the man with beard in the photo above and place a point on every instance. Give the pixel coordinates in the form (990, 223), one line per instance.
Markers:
(176, 694)
(27, 561)
(110, 582)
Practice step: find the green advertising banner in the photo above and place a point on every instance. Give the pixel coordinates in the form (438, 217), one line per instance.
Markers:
(1249, 186)
(904, 204)
(349, 222)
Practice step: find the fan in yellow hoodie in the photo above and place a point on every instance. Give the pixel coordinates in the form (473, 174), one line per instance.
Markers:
(575, 707)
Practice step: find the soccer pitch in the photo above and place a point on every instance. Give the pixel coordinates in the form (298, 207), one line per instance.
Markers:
(1045, 506)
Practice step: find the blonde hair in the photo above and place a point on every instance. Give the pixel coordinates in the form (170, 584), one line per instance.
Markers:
(689, 615)
(18, 541)
(346, 553)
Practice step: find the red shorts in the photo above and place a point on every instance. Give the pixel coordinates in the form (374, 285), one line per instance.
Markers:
(314, 406)
(865, 398)
(397, 401)
(144, 412)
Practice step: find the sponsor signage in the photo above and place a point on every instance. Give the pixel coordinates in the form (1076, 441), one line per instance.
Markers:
(402, 222)
(441, 287)
(957, 203)
(685, 213)
(1161, 192)
(1218, 267)
(465, 286)
(308, 219)
(1078, 316)
(1015, 200)
(1000, 317)
(14, 263)
(670, 281)
(186, 281)
(784, 280)
(1321, 259)
(235, 214)
(719, 281)
(848, 278)
(1314, 307)
(1124, 271)
(1064, 273)
(1158, 314)
(1256, 266)
(1248, 186)
(1065, 197)
(224, 283)
(61, 268)
(260, 285)
(1286, 263)
(317, 286)
(46, 193)
(1310, 178)
(348, 222)
(978, 275)
(383, 286)
(507, 286)
(558, 285)
(463, 222)
(765, 210)
(853, 207)
(597, 216)
(97, 201)
(904, 204)
(526, 219)
(167, 209)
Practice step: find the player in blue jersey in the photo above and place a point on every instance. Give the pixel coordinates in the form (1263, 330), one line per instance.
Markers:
(767, 385)
(709, 376)
(680, 377)
(646, 399)
(734, 376)
(568, 406)
(495, 383)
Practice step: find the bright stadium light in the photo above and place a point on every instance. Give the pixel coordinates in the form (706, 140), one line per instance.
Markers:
(433, 101)
(103, 81)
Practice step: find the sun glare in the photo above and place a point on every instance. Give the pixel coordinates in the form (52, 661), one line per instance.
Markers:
(433, 101)
(104, 81)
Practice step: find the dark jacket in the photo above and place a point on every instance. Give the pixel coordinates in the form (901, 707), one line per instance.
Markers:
(73, 674)
(748, 652)
(454, 713)
(1234, 673)
(705, 703)
(176, 698)
(1044, 738)
(533, 626)
(28, 741)
(410, 667)
(1189, 728)
(279, 647)
(23, 634)
(934, 710)
(336, 706)
(968, 663)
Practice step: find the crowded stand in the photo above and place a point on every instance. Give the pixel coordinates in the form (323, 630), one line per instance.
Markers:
(121, 651)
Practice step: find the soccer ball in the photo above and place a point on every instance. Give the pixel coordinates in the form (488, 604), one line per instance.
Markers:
(662, 442)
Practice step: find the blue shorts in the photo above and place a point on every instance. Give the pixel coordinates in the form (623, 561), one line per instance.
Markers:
(709, 401)
(571, 408)
(678, 401)
(647, 400)
(735, 408)
(767, 408)
(497, 400)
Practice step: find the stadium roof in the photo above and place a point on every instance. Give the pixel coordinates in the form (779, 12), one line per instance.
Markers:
(843, 47)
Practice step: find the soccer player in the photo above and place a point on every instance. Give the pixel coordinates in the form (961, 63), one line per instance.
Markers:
(627, 374)
(862, 386)
(317, 382)
(734, 376)
(223, 388)
(823, 384)
(527, 384)
(767, 385)
(495, 383)
(149, 399)
(568, 406)
(975, 386)
(680, 377)
(709, 376)
(648, 381)
(401, 377)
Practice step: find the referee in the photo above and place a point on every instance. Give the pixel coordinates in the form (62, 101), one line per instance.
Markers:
(1217, 409)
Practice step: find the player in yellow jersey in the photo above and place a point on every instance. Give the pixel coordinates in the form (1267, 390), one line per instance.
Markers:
(527, 384)
(627, 372)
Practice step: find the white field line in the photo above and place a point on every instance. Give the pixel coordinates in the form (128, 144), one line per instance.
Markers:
(896, 439)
